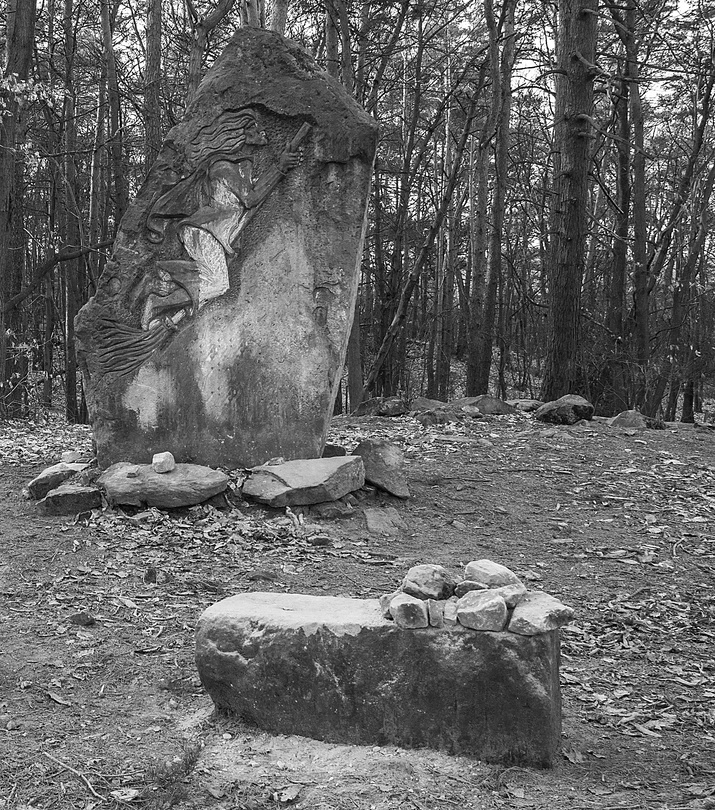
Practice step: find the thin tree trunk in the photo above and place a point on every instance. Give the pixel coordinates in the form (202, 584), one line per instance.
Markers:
(152, 84)
(202, 28)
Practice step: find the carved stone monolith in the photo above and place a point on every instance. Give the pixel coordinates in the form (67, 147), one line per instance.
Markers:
(219, 328)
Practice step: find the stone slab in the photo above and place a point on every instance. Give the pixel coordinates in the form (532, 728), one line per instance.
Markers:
(334, 669)
(70, 499)
(51, 477)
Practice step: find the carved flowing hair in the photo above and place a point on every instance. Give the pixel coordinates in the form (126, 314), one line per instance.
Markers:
(222, 139)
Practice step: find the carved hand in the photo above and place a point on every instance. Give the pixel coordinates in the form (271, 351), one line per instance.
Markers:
(288, 160)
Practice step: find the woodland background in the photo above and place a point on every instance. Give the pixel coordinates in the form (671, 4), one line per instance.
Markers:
(540, 220)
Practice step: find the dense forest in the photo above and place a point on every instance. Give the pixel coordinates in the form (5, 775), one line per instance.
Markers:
(540, 215)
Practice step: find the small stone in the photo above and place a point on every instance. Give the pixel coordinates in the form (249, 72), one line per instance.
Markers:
(467, 585)
(435, 612)
(163, 462)
(332, 450)
(482, 610)
(133, 471)
(629, 419)
(539, 612)
(429, 581)
(385, 601)
(511, 594)
(492, 574)
(409, 612)
(384, 521)
(82, 618)
(449, 614)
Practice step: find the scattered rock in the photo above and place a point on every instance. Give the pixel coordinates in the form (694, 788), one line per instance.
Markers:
(440, 416)
(334, 669)
(629, 419)
(492, 574)
(428, 581)
(332, 450)
(383, 462)
(186, 485)
(333, 510)
(382, 406)
(163, 462)
(305, 481)
(467, 585)
(525, 405)
(82, 618)
(383, 521)
(539, 612)
(419, 404)
(52, 477)
(482, 610)
(75, 457)
(487, 404)
(566, 410)
(70, 499)
(511, 594)
(409, 611)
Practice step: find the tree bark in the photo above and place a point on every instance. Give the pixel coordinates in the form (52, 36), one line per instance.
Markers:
(152, 85)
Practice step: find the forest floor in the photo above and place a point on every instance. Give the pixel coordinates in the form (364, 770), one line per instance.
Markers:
(100, 704)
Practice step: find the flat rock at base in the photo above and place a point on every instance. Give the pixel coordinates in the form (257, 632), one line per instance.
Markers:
(305, 481)
(566, 410)
(482, 610)
(334, 669)
(70, 499)
(428, 581)
(419, 404)
(409, 611)
(629, 419)
(382, 406)
(491, 573)
(525, 405)
(138, 484)
(383, 462)
(539, 612)
(51, 477)
(383, 521)
(487, 404)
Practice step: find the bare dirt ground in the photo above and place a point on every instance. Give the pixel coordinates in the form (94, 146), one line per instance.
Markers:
(101, 707)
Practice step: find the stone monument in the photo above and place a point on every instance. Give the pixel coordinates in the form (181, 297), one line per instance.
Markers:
(219, 327)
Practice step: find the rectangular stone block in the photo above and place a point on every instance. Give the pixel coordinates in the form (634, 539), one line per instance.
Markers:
(336, 670)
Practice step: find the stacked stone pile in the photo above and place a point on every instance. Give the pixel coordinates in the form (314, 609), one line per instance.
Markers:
(490, 596)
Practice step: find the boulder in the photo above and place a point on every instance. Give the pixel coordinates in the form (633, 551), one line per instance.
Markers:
(491, 573)
(629, 419)
(220, 325)
(419, 404)
(428, 581)
(525, 405)
(382, 406)
(539, 612)
(566, 410)
(334, 669)
(305, 481)
(163, 462)
(383, 462)
(51, 477)
(137, 484)
(511, 594)
(70, 499)
(487, 404)
(482, 610)
(409, 612)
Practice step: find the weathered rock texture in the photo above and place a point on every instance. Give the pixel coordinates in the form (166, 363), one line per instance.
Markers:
(139, 484)
(54, 476)
(566, 410)
(336, 670)
(384, 462)
(220, 325)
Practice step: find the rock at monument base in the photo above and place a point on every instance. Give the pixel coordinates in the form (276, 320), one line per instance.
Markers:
(220, 325)
(419, 404)
(51, 477)
(383, 462)
(629, 419)
(566, 410)
(525, 405)
(428, 581)
(539, 612)
(382, 406)
(305, 481)
(70, 499)
(487, 404)
(492, 574)
(138, 484)
(383, 521)
(334, 669)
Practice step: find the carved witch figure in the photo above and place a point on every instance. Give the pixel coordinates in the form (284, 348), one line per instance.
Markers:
(208, 210)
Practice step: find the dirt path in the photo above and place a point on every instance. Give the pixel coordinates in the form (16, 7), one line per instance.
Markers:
(100, 705)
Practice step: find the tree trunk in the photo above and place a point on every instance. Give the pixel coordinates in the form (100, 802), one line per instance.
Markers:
(152, 85)
(572, 133)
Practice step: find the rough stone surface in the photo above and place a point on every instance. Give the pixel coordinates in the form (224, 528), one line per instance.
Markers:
(450, 612)
(539, 612)
(331, 450)
(440, 416)
(525, 405)
(482, 610)
(511, 594)
(336, 670)
(220, 325)
(163, 462)
(136, 485)
(419, 404)
(383, 521)
(567, 410)
(70, 499)
(467, 585)
(428, 581)
(492, 574)
(629, 419)
(487, 404)
(435, 612)
(305, 481)
(382, 406)
(409, 612)
(383, 462)
(385, 601)
(51, 477)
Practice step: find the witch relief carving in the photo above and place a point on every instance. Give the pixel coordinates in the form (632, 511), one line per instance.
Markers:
(199, 220)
